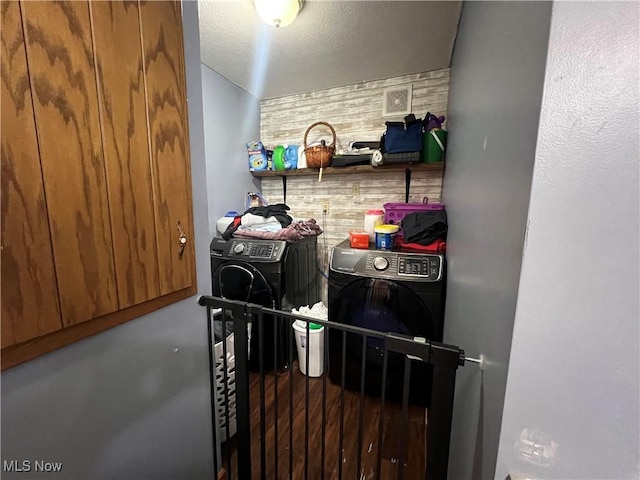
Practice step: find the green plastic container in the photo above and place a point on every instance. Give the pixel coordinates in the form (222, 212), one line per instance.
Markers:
(278, 158)
(432, 150)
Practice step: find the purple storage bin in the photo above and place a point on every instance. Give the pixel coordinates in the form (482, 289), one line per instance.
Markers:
(395, 212)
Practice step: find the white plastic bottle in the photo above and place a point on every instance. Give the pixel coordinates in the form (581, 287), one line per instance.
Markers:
(372, 219)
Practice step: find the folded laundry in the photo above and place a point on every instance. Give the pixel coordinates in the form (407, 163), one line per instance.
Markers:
(437, 246)
(307, 228)
(425, 227)
(292, 233)
(262, 227)
(288, 234)
(252, 220)
(278, 210)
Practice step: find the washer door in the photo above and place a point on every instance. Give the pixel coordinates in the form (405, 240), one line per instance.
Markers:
(382, 305)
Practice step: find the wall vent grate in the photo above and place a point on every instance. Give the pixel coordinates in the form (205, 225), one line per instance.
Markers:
(397, 101)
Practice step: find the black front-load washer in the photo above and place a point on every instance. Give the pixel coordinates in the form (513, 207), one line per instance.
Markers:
(271, 273)
(392, 292)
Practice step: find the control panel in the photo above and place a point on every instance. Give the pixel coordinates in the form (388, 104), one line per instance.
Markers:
(248, 249)
(428, 266)
(420, 267)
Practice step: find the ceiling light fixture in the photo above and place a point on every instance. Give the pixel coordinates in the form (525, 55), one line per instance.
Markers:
(278, 13)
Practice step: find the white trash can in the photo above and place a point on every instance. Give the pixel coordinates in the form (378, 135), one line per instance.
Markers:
(316, 347)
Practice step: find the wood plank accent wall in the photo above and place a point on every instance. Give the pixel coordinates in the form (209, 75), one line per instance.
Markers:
(348, 196)
(355, 111)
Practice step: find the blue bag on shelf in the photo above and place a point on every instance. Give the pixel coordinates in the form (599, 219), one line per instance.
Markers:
(403, 137)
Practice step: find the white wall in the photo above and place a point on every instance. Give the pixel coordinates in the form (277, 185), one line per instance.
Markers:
(574, 370)
(231, 118)
(132, 402)
(497, 74)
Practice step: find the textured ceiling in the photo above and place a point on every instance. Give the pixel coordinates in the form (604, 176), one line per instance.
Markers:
(330, 44)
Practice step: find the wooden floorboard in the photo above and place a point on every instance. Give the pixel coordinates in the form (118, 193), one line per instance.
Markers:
(416, 433)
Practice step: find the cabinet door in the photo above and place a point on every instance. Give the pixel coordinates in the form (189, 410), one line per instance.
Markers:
(118, 50)
(29, 292)
(167, 106)
(62, 71)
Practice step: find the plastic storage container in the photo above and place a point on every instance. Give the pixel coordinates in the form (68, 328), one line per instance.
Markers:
(395, 212)
(372, 219)
(434, 144)
(385, 236)
(315, 344)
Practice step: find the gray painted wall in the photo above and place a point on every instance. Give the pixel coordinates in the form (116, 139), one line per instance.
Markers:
(574, 372)
(231, 118)
(497, 75)
(132, 402)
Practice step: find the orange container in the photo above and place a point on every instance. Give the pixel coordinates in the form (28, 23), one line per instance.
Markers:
(358, 239)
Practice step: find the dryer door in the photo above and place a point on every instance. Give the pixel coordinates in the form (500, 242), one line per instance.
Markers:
(382, 305)
(243, 282)
(389, 307)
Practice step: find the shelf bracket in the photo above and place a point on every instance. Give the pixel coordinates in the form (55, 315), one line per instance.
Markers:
(407, 184)
(284, 189)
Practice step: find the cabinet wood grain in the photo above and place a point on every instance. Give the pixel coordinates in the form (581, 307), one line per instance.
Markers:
(166, 103)
(29, 291)
(62, 72)
(118, 50)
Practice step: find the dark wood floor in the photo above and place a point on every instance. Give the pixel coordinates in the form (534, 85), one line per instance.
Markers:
(416, 438)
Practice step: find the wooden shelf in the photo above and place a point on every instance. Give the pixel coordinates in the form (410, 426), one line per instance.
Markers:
(401, 167)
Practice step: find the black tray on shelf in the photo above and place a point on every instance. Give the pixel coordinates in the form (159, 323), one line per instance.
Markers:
(348, 160)
(409, 157)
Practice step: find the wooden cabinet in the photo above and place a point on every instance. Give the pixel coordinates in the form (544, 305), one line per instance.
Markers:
(167, 107)
(65, 100)
(123, 101)
(27, 261)
(96, 182)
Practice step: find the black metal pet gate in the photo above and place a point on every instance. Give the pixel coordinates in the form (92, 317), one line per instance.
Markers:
(257, 390)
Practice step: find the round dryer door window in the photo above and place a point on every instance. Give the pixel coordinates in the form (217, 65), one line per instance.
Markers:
(389, 307)
(243, 282)
(382, 305)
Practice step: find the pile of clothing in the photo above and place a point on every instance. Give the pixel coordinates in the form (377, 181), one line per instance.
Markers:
(425, 231)
(271, 222)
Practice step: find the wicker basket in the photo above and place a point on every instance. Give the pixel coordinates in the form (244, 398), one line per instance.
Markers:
(319, 155)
